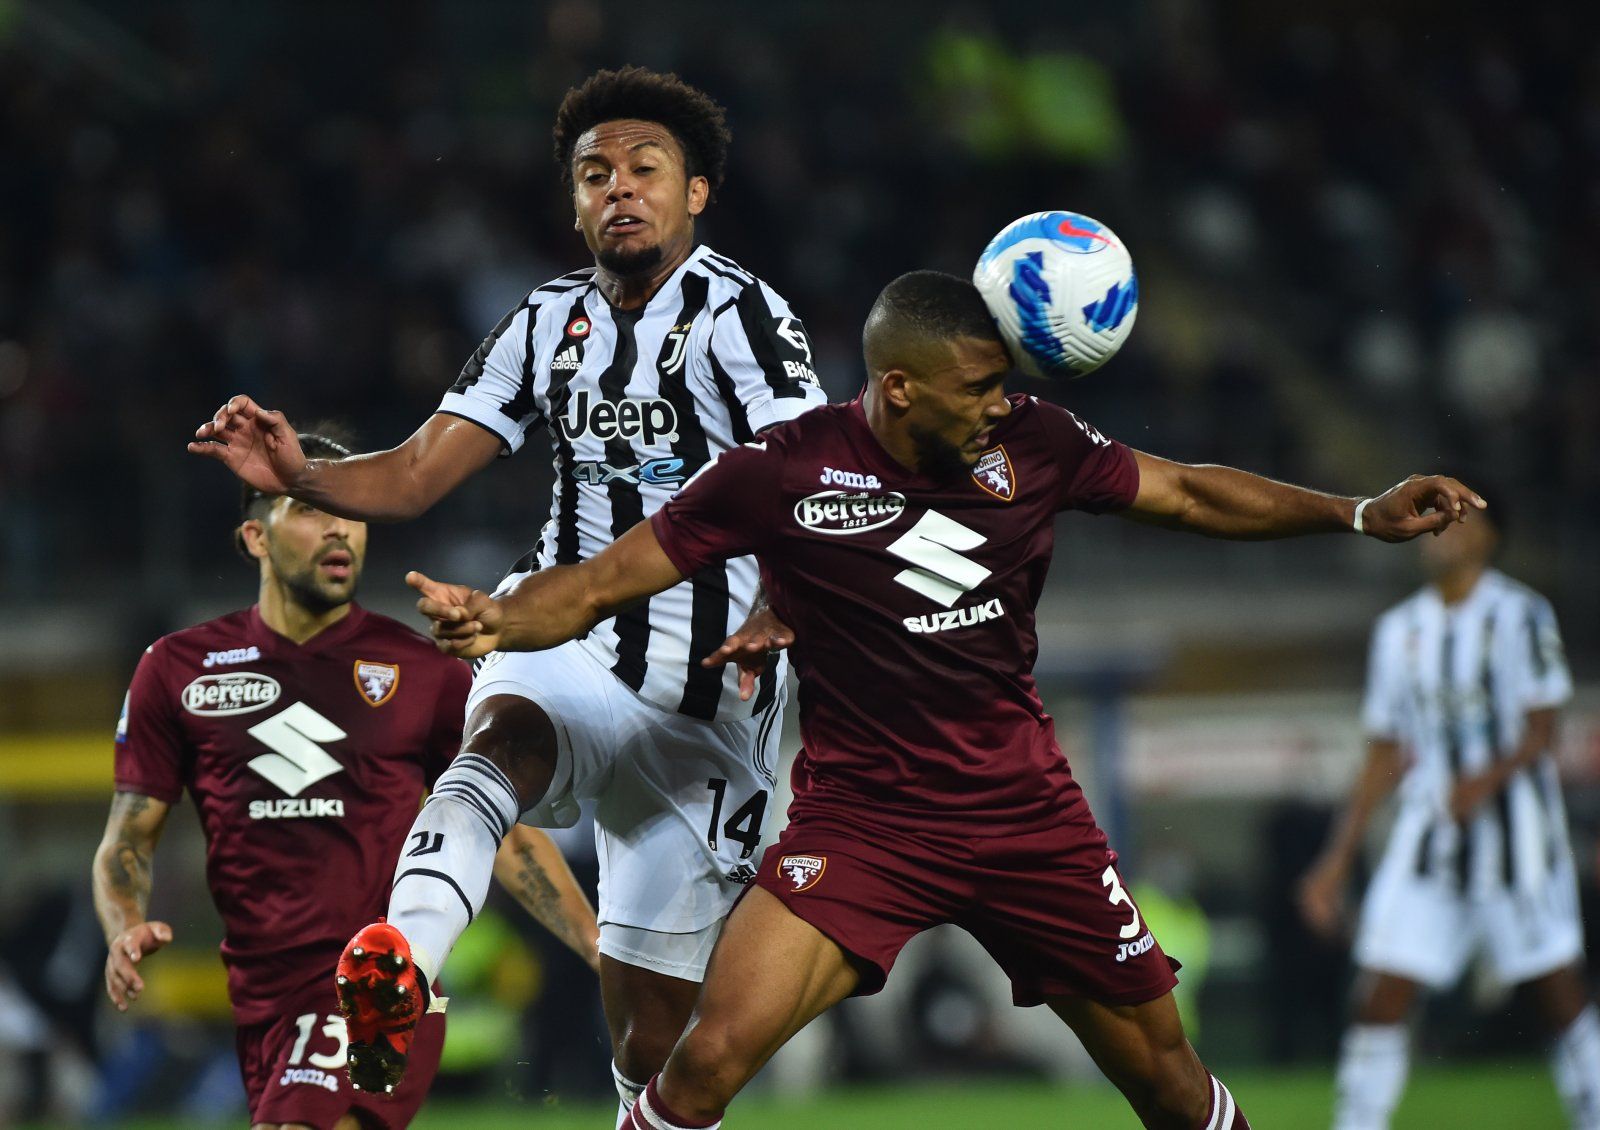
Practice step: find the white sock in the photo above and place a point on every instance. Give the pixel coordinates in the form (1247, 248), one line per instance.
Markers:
(1575, 1059)
(444, 870)
(628, 1093)
(1373, 1062)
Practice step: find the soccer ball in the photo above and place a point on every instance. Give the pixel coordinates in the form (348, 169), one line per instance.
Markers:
(1062, 288)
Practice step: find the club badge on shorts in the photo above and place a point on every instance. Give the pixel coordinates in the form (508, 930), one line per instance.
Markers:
(993, 473)
(376, 681)
(803, 870)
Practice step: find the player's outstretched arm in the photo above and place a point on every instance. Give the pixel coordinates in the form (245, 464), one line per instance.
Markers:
(1321, 893)
(122, 879)
(551, 606)
(1223, 502)
(260, 446)
(534, 871)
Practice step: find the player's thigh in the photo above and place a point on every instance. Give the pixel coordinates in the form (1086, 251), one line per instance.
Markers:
(771, 974)
(680, 824)
(1141, 1048)
(1416, 926)
(649, 983)
(545, 717)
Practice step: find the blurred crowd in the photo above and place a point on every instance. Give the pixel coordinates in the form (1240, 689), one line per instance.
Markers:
(1368, 244)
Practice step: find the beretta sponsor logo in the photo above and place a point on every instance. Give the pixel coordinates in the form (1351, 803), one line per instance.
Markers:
(238, 692)
(841, 512)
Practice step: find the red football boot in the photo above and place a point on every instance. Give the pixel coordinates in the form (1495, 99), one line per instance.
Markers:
(382, 996)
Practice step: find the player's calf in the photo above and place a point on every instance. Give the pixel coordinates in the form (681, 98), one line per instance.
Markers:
(382, 995)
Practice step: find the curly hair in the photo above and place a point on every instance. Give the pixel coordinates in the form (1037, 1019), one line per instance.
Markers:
(697, 122)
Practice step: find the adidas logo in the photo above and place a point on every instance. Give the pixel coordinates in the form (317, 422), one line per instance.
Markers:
(568, 358)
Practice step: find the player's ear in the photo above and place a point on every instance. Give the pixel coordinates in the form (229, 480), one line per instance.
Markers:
(699, 194)
(896, 385)
(251, 538)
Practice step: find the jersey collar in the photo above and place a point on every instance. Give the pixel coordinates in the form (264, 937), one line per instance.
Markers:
(269, 639)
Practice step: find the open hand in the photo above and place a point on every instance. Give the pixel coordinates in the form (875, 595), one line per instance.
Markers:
(1321, 899)
(256, 444)
(466, 621)
(128, 949)
(1470, 792)
(761, 636)
(1423, 504)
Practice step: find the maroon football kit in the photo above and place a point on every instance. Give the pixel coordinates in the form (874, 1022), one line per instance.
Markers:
(930, 788)
(307, 764)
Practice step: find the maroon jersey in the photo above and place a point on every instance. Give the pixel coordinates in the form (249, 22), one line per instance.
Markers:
(307, 763)
(912, 602)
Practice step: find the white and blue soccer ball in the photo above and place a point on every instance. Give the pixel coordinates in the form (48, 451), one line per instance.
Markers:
(1062, 289)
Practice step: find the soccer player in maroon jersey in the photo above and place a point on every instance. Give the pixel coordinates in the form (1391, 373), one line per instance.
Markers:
(306, 730)
(905, 537)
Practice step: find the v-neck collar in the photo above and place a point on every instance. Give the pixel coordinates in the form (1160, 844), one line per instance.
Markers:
(324, 640)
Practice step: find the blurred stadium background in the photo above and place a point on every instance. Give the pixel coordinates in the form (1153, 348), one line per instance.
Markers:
(1368, 235)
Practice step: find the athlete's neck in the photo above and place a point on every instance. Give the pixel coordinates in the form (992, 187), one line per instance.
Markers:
(632, 291)
(291, 619)
(895, 440)
(1456, 585)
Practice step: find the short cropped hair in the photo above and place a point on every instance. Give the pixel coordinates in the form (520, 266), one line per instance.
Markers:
(692, 117)
(929, 305)
(319, 444)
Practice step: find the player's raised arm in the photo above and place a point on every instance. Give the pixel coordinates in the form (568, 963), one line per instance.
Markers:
(551, 606)
(1223, 502)
(261, 447)
(122, 879)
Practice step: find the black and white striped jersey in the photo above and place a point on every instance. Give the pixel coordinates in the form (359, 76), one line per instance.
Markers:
(1453, 684)
(636, 401)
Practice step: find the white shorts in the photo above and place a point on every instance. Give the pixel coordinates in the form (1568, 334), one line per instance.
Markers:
(681, 804)
(1423, 928)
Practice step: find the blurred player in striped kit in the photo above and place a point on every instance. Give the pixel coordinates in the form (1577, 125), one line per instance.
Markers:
(1464, 687)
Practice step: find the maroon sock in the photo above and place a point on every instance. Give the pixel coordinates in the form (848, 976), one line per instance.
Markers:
(1224, 1113)
(650, 1113)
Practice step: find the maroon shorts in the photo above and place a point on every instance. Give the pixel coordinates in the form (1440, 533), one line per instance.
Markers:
(1047, 903)
(294, 1069)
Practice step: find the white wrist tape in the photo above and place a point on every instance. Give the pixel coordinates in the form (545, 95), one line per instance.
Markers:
(1360, 518)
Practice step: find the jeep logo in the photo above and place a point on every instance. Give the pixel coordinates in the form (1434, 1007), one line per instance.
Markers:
(839, 512)
(648, 420)
(239, 692)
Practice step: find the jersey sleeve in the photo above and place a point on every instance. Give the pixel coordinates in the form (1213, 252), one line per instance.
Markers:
(761, 356)
(449, 716)
(1536, 660)
(1381, 704)
(150, 745)
(495, 388)
(727, 510)
(1097, 474)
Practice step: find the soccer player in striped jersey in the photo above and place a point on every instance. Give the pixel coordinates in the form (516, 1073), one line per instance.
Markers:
(641, 367)
(1464, 686)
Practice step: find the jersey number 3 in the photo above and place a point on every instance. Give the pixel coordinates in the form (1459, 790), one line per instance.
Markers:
(939, 572)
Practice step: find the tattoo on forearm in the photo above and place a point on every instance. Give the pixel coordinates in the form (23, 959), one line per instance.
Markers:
(536, 892)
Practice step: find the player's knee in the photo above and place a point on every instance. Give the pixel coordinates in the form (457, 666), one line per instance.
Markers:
(1172, 1088)
(517, 736)
(643, 1051)
(712, 1064)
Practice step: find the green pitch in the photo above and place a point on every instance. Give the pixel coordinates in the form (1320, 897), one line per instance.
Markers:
(1485, 1097)
(1489, 1096)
